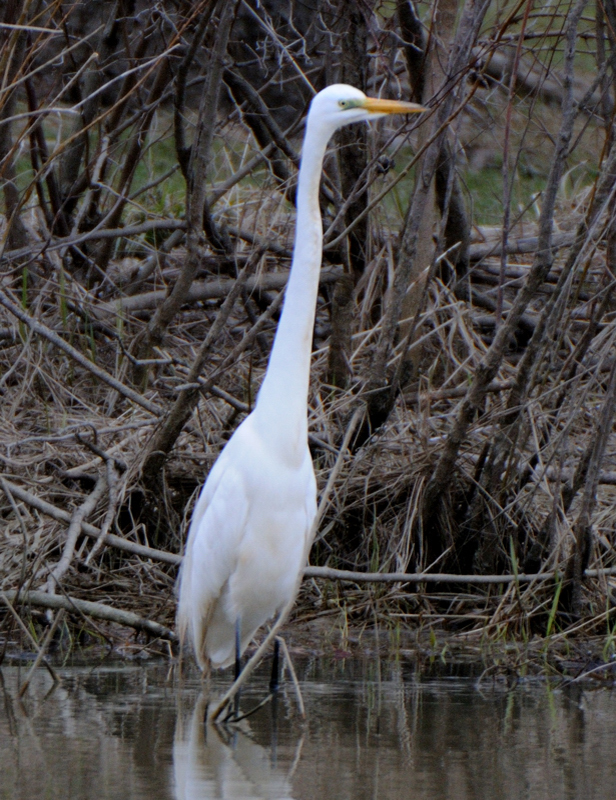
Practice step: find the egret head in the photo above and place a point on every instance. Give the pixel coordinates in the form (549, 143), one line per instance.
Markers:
(339, 105)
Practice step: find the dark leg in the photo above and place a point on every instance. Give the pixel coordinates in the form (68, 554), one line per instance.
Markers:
(274, 682)
(238, 665)
(274, 679)
(238, 657)
(205, 689)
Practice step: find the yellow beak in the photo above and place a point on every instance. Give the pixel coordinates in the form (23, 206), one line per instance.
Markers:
(378, 106)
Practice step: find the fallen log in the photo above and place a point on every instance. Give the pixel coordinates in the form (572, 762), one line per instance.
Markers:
(94, 610)
(204, 290)
(529, 244)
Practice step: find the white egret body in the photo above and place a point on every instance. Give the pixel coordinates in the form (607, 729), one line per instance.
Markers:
(251, 529)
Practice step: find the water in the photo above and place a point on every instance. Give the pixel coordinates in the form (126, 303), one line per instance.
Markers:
(128, 732)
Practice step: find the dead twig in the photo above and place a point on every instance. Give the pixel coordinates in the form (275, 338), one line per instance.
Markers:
(58, 341)
(95, 610)
(327, 573)
(74, 529)
(41, 653)
(89, 530)
(6, 596)
(197, 213)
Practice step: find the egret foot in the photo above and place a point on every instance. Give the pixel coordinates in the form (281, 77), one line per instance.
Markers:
(234, 716)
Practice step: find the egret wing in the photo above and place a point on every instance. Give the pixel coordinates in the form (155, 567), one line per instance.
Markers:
(216, 531)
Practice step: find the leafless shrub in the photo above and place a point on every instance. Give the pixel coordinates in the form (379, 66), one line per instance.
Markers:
(463, 377)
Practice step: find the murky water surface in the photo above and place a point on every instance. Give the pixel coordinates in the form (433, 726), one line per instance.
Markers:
(372, 731)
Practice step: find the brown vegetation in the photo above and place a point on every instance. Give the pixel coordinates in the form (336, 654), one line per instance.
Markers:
(464, 373)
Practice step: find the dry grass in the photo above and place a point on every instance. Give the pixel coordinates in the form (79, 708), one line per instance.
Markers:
(508, 508)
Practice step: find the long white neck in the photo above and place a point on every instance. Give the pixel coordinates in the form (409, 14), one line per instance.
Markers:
(281, 408)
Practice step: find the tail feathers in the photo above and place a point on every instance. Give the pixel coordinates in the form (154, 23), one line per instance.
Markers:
(192, 627)
(219, 637)
(206, 622)
(192, 622)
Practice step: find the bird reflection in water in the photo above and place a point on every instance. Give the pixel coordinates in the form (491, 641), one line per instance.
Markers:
(212, 761)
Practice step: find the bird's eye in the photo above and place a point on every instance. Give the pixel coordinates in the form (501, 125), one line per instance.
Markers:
(343, 103)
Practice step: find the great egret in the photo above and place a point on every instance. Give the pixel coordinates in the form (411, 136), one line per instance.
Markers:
(251, 529)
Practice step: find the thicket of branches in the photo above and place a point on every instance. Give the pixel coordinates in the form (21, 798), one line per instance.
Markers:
(464, 371)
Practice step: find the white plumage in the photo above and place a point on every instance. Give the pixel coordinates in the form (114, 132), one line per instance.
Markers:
(248, 543)
(251, 529)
